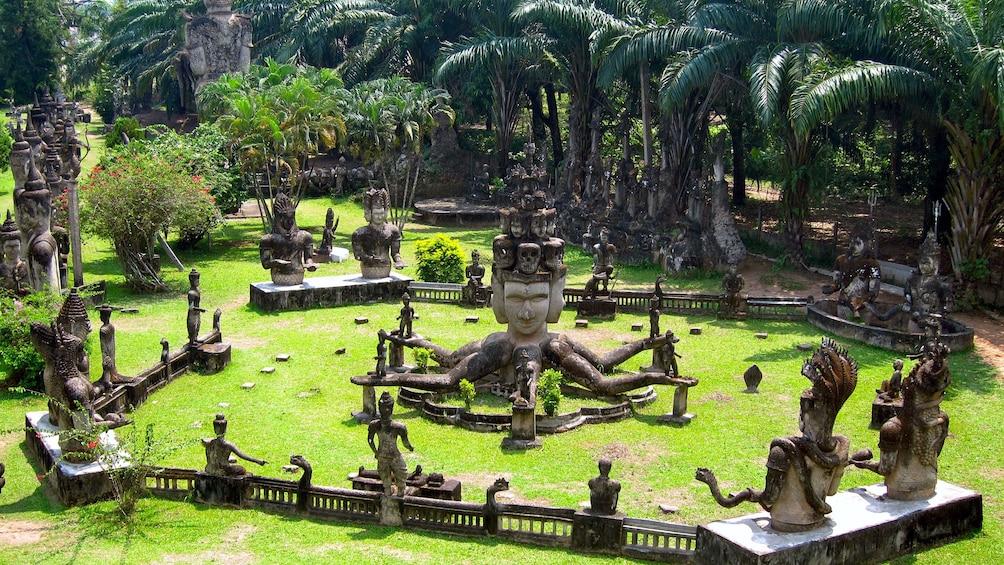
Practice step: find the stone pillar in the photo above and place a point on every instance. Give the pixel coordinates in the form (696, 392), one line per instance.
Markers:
(596, 533)
(679, 415)
(523, 433)
(369, 411)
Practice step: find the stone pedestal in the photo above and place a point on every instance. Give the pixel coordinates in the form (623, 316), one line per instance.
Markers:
(861, 529)
(597, 532)
(74, 483)
(369, 411)
(597, 308)
(523, 433)
(219, 490)
(322, 292)
(882, 410)
(211, 358)
(396, 357)
(679, 416)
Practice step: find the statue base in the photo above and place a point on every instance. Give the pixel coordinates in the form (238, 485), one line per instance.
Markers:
(75, 484)
(883, 410)
(679, 416)
(597, 532)
(219, 490)
(323, 292)
(605, 308)
(369, 411)
(211, 358)
(390, 510)
(523, 433)
(863, 528)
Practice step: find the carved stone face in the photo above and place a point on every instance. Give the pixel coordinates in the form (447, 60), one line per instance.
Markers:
(928, 266)
(378, 216)
(528, 258)
(33, 216)
(503, 252)
(857, 246)
(516, 227)
(11, 250)
(526, 306)
(554, 255)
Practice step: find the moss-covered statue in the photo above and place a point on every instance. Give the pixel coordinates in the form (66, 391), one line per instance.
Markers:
(803, 470)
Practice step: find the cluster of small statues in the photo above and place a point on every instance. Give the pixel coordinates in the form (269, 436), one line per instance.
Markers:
(45, 162)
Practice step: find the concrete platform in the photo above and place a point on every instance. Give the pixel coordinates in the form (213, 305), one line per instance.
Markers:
(863, 528)
(321, 292)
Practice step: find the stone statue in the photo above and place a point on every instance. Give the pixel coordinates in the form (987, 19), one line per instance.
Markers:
(33, 207)
(381, 356)
(216, 43)
(390, 462)
(219, 449)
(731, 303)
(604, 254)
(927, 295)
(71, 404)
(288, 250)
(194, 320)
(406, 316)
(856, 275)
(803, 470)
(340, 171)
(664, 357)
(528, 279)
(110, 375)
(911, 441)
(378, 244)
(475, 292)
(13, 270)
(604, 491)
(527, 371)
(328, 236)
(654, 313)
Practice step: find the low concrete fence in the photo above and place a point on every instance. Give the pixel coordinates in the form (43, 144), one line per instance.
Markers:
(568, 528)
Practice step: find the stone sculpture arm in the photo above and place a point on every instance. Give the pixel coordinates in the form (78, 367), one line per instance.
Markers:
(395, 252)
(495, 352)
(268, 260)
(373, 427)
(561, 353)
(608, 361)
(403, 432)
(244, 456)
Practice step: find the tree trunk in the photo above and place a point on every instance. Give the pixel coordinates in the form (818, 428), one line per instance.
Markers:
(557, 149)
(896, 154)
(646, 116)
(737, 126)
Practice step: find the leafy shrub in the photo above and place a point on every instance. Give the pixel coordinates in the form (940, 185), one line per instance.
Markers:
(134, 194)
(467, 392)
(128, 126)
(422, 358)
(440, 259)
(6, 142)
(549, 390)
(18, 356)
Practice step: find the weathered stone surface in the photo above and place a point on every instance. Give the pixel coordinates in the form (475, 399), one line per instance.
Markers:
(760, 335)
(695, 331)
(321, 292)
(861, 529)
(268, 370)
(282, 357)
(637, 327)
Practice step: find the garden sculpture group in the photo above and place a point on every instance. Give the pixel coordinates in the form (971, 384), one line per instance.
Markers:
(528, 278)
(377, 245)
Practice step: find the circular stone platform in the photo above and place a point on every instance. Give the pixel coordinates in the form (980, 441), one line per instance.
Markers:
(823, 315)
(454, 212)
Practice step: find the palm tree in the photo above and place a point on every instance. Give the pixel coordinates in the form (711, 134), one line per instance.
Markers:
(502, 53)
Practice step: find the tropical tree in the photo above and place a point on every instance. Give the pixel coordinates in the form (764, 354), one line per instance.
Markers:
(32, 33)
(388, 120)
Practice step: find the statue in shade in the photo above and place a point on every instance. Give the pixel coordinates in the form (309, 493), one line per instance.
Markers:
(604, 255)
(803, 470)
(390, 462)
(911, 441)
(377, 245)
(857, 277)
(219, 449)
(604, 491)
(33, 205)
(288, 251)
(13, 270)
(927, 295)
(731, 304)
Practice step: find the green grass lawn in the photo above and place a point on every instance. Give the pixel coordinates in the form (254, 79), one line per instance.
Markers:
(655, 463)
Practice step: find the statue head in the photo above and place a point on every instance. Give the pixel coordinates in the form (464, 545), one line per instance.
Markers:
(283, 215)
(860, 244)
(329, 218)
(385, 405)
(220, 425)
(605, 465)
(105, 312)
(406, 298)
(11, 238)
(33, 204)
(72, 316)
(193, 279)
(834, 375)
(376, 202)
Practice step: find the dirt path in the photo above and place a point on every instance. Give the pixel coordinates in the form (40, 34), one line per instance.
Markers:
(762, 279)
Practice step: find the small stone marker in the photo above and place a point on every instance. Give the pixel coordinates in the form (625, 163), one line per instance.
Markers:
(224, 404)
(282, 357)
(362, 320)
(669, 509)
(637, 326)
(582, 323)
(247, 386)
(268, 370)
(695, 331)
(196, 425)
(130, 310)
(340, 351)
(304, 395)
(472, 319)
(804, 347)
(760, 335)
(290, 468)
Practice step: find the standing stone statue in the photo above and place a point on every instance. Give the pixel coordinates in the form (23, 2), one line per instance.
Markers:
(194, 320)
(653, 316)
(381, 356)
(390, 462)
(216, 43)
(13, 270)
(328, 236)
(406, 317)
(288, 250)
(219, 449)
(377, 244)
(911, 441)
(803, 470)
(604, 255)
(604, 491)
(110, 375)
(33, 206)
(731, 303)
